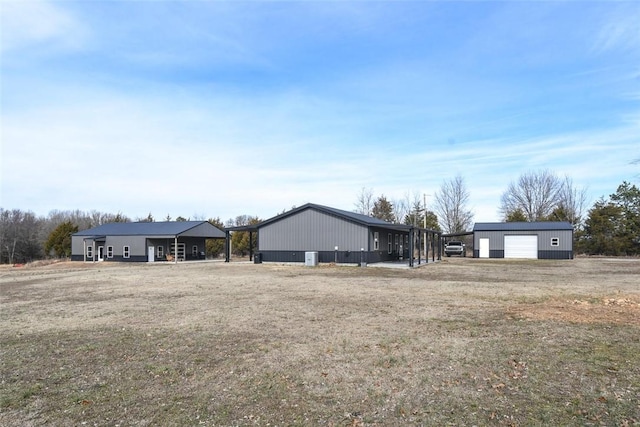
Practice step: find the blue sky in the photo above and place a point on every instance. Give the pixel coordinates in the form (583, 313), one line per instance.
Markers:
(216, 109)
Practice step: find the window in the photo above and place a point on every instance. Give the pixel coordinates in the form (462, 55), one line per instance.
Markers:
(89, 251)
(160, 252)
(390, 243)
(194, 250)
(109, 251)
(397, 250)
(125, 252)
(376, 241)
(555, 241)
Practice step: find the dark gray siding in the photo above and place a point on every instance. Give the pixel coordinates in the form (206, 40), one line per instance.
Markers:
(347, 257)
(310, 230)
(204, 230)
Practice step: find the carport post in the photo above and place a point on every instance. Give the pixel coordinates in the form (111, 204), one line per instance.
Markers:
(411, 231)
(227, 240)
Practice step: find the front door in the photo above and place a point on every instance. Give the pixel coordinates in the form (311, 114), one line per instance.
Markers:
(484, 248)
(151, 255)
(100, 253)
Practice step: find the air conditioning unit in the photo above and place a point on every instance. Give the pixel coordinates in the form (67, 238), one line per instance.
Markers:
(311, 259)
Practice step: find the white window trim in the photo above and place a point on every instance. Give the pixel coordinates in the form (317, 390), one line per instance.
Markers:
(390, 246)
(109, 251)
(555, 241)
(194, 250)
(160, 251)
(89, 251)
(126, 251)
(376, 240)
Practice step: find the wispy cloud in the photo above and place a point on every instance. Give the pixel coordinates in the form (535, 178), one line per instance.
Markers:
(620, 30)
(32, 23)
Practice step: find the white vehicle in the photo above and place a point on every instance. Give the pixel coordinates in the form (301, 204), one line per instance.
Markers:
(455, 247)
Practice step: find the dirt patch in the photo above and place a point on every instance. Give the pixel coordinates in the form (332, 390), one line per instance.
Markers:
(621, 310)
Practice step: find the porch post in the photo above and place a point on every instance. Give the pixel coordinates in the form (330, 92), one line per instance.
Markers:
(227, 239)
(175, 251)
(250, 245)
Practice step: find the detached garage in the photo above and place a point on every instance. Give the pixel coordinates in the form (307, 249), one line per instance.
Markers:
(527, 240)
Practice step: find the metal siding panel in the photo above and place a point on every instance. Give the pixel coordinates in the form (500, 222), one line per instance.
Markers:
(496, 253)
(77, 247)
(350, 257)
(496, 239)
(137, 245)
(565, 240)
(555, 255)
(204, 230)
(310, 230)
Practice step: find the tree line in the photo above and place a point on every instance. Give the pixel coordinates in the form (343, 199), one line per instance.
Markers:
(611, 226)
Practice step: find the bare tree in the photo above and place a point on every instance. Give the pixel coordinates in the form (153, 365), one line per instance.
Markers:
(451, 206)
(536, 194)
(364, 204)
(19, 236)
(401, 208)
(571, 203)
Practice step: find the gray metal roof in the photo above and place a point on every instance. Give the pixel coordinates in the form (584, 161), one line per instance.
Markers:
(522, 226)
(165, 228)
(350, 216)
(346, 215)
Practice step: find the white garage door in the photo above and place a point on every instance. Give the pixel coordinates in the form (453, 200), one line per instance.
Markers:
(521, 247)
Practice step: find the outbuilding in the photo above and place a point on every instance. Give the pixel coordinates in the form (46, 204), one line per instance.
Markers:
(532, 240)
(144, 241)
(333, 234)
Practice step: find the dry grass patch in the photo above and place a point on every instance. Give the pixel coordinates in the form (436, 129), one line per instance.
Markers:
(461, 342)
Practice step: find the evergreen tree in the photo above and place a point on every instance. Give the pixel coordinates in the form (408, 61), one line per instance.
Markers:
(612, 226)
(602, 229)
(59, 240)
(240, 239)
(516, 215)
(383, 209)
(215, 247)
